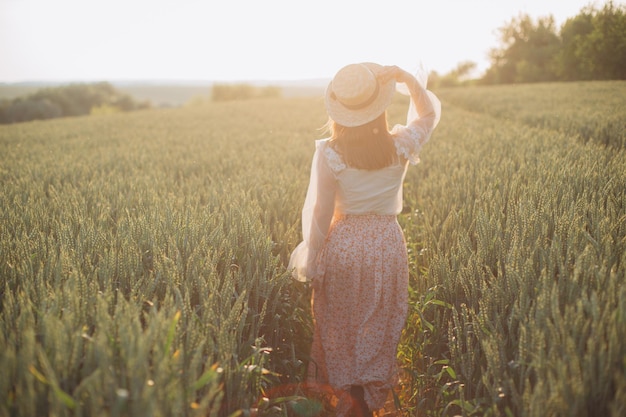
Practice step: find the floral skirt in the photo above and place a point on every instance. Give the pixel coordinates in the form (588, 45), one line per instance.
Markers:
(360, 303)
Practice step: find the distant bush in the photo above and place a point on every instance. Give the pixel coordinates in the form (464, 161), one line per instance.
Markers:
(197, 101)
(226, 92)
(69, 100)
(459, 76)
(21, 110)
(104, 109)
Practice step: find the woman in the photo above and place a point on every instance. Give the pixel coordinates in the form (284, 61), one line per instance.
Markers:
(354, 251)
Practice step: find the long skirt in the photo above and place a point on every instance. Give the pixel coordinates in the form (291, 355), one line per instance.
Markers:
(360, 303)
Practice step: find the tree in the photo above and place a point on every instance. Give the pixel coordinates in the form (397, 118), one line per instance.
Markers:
(594, 45)
(573, 62)
(590, 46)
(607, 43)
(526, 52)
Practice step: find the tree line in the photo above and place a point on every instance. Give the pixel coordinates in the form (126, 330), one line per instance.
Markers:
(243, 91)
(70, 100)
(589, 46)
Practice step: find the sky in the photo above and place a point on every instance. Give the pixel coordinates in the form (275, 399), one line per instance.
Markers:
(238, 40)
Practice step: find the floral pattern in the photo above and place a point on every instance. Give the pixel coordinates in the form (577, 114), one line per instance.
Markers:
(334, 159)
(408, 141)
(360, 307)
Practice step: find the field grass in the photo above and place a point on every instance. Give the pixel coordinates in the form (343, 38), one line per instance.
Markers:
(521, 232)
(143, 257)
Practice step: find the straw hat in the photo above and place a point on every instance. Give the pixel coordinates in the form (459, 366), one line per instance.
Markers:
(355, 96)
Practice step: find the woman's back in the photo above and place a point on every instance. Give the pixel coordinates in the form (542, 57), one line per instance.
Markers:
(362, 191)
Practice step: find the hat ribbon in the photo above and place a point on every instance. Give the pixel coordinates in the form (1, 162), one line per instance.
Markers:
(361, 105)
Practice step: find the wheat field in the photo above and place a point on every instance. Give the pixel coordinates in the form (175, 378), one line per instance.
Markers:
(143, 257)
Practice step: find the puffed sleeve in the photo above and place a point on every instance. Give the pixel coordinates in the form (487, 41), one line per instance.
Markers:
(317, 214)
(422, 118)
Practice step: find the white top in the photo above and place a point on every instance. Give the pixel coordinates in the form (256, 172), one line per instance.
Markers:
(336, 189)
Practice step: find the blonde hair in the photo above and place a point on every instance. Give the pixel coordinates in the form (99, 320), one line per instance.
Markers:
(368, 146)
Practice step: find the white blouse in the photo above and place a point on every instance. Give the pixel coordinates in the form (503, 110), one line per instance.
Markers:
(337, 189)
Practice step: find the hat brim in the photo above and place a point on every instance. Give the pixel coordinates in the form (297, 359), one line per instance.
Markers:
(351, 118)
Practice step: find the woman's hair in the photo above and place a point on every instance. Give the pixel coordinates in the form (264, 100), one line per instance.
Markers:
(368, 146)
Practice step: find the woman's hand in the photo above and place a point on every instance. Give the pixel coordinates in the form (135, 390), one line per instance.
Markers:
(392, 72)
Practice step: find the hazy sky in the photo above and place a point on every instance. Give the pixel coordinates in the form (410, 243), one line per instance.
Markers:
(249, 39)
